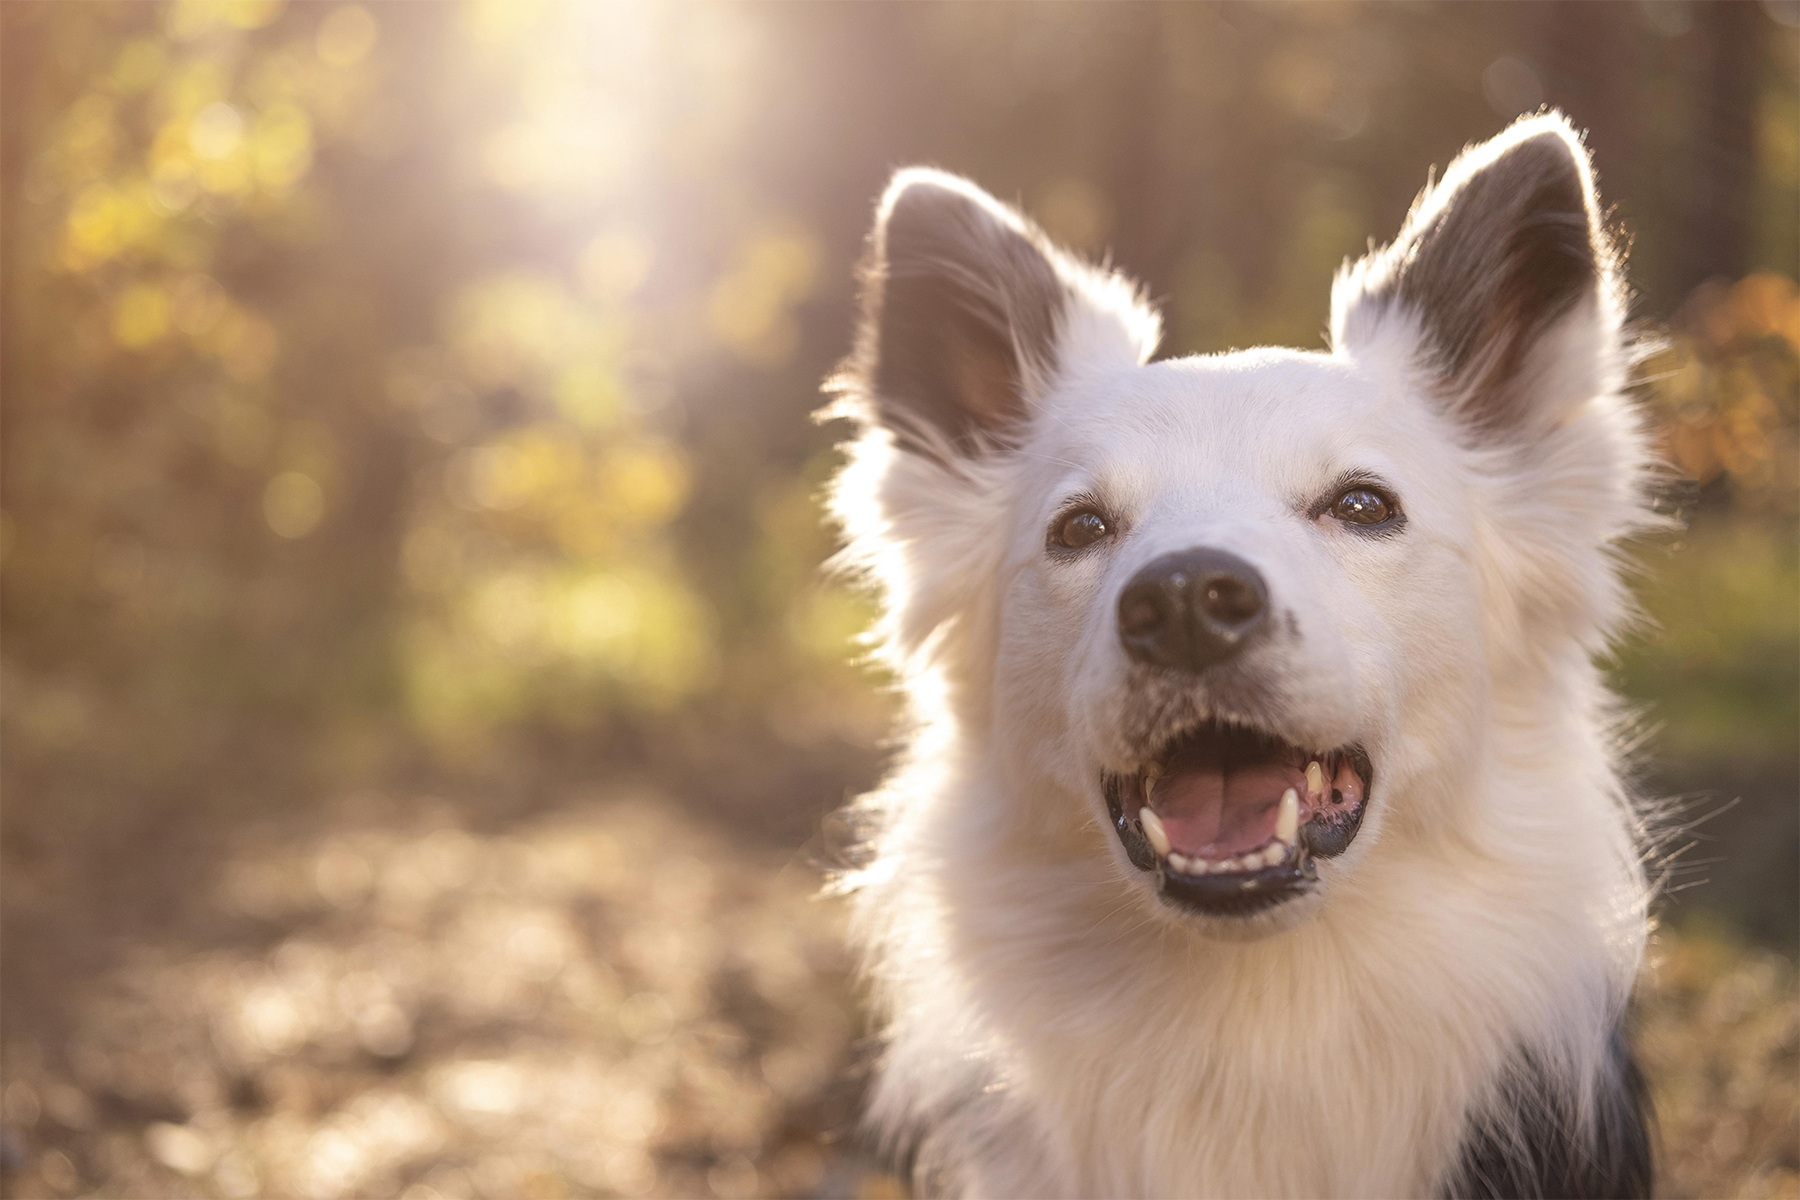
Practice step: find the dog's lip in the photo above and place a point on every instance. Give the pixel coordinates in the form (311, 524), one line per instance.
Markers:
(1240, 893)
(1245, 891)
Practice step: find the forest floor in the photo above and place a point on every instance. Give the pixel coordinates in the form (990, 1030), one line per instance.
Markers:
(612, 997)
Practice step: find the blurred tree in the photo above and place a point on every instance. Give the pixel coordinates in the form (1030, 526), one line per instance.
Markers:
(1724, 164)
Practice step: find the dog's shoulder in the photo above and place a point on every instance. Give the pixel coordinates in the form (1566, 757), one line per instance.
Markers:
(1528, 1145)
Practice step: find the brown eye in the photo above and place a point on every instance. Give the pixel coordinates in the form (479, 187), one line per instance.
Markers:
(1083, 527)
(1362, 506)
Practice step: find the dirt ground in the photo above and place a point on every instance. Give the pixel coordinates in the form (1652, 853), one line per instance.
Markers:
(611, 998)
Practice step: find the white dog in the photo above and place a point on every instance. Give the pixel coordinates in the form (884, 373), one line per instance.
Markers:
(1259, 830)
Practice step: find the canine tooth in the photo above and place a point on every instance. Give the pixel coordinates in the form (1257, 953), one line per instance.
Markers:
(1152, 773)
(1315, 779)
(1287, 822)
(1153, 829)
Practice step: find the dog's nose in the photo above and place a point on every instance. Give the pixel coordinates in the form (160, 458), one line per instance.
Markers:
(1191, 609)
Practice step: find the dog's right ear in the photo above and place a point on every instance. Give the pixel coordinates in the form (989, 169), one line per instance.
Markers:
(1509, 276)
(969, 314)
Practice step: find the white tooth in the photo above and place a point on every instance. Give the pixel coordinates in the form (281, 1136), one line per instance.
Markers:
(1152, 773)
(1315, 779)
(1199, 866)
(1287, 822)
(1180, 863)
(1153, 829)
(1274, 854)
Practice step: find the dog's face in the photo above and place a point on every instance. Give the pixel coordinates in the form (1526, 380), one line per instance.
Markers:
(1234, 579)
(1245, 612)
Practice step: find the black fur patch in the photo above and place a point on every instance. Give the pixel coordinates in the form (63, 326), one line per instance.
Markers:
(1532, 1148)
(961, 302)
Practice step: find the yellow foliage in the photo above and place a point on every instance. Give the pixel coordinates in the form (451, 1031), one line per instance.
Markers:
(216, 130)
(829, 621)
(197, 83)
(532, 466)
(750, 304)
(104, 220)
(587, 392)
(139, 65)
(644, 483)
(519, 635)
(1726, 388)
(281, 146)
(293, 504)
(509, 328)
(172, 184)
(140, 316)
(190, 19)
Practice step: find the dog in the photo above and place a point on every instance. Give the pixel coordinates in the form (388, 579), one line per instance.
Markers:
(1258, 827)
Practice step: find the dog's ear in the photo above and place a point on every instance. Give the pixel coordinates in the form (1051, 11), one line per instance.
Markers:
(1505, 273)
(969, 314)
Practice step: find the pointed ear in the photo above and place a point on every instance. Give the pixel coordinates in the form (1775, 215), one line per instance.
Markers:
(969, 314)
(1505, 275)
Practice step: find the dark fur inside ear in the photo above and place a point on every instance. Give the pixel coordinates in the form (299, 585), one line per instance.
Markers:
(961, 302)
(1490, 261)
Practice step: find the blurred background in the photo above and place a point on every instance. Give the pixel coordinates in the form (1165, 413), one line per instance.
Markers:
(422, 706)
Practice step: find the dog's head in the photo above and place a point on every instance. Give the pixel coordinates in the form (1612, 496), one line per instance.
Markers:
(1250, 613)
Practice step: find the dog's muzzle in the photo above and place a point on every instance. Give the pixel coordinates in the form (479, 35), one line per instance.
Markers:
(1229, 818)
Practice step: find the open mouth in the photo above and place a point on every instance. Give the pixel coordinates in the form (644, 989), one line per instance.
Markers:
(1231, 819)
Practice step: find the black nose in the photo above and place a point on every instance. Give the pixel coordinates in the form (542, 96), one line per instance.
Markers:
(1191, 609)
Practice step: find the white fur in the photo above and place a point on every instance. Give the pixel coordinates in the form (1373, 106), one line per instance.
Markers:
(1052, 1028)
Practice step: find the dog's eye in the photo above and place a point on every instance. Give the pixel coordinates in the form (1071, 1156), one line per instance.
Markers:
(1362, 506)
(1083, 527)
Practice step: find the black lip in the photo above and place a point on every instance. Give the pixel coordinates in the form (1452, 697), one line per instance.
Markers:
(1241, 894)
(1244, 893)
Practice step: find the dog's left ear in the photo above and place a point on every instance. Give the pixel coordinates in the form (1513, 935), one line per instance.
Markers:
(1505, 274)
(970, 315)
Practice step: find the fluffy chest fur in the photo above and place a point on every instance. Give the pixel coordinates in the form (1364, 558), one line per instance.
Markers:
(1048, 1040)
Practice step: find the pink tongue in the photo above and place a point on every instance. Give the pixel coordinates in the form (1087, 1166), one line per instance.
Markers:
(1213, 815)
